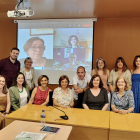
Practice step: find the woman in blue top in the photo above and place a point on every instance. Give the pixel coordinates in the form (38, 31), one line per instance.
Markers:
(122, 98)
(136, 83)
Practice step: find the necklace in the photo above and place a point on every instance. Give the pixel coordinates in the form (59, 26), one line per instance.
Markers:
(20, 91)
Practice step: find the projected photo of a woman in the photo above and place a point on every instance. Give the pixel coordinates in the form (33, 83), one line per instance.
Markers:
(34, 47)
(73, 42)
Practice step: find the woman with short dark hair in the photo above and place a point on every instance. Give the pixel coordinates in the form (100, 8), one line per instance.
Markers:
(19, 92)
(119, 70)
(63, 96)
(95, 96)
(40, 94)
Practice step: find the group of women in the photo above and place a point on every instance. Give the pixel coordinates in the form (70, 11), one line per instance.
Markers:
(97, 96)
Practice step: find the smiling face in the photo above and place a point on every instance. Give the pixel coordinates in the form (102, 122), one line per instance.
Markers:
(2, 82)
(44, 82)
(81, 73)
(20, 79)
(73, 41)
(121, 83)
(138, 62)
(36, 50)
(96, 82)
(28, 63)
(64, 83)
(100, 64)
(14, 54)
(120, 64)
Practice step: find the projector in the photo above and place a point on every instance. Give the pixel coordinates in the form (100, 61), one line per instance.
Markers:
(20, 13)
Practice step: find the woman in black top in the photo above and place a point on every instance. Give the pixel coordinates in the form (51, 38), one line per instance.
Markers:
(95, 96)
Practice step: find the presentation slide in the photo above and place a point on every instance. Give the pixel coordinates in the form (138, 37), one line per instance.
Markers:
(56, 48)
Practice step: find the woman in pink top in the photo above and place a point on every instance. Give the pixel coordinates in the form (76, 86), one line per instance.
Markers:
(103, 72)
(40, 94)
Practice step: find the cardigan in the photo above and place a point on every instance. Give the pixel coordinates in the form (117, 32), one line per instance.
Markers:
(15, 97)
(34, 81)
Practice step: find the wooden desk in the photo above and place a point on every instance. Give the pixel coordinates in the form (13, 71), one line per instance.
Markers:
(124, 127)
(87, 124)
(12, 130)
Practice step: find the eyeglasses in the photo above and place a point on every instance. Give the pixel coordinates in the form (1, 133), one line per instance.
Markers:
(34, 48)
(120, 82)
(29, 62)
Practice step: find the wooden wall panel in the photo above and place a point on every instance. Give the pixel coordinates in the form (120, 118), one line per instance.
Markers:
(116, 37)
(7, 37)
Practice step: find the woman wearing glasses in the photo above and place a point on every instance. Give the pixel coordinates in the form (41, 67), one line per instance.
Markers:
(29, 73)
(122, 98)
(34, 47)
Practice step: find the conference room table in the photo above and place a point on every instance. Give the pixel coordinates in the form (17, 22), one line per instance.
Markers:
(87, 124)
(16, 127)
(124, 127)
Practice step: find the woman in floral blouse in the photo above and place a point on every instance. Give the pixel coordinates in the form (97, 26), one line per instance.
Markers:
(63, 96)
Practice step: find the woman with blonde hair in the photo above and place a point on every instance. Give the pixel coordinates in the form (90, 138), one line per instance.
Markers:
(5, 103)
(122, 98)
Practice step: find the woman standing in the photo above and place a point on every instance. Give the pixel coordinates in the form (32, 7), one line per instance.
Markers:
(103, 72)
(40, 94)
(19, 92)
(29, 73)
(136, 83)
(5, 103)
(95, 96)
(119, 70)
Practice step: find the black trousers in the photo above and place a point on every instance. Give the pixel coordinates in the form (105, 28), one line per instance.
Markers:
(80, 100)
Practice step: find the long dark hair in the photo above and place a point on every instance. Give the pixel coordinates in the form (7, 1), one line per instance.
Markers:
(124, 64)
(15, 80)
(91, 81)
(134, 62)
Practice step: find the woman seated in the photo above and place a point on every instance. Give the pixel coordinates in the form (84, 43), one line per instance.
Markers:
(63, 96)
(95, 96)
(29, 73)
(19, 92)
(122, 98)
(40, 94)
(5, 103)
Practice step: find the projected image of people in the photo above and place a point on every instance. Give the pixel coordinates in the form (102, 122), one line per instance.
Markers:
(73, 42)
(72, 61)
(34, 47)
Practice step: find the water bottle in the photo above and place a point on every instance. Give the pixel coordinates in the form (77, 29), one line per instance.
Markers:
(43, 118)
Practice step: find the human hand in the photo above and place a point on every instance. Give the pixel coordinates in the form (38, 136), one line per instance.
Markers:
(65, 106)
(30, 88)
(1, 114)
(79, 90)
(116, 110)
(122, 111)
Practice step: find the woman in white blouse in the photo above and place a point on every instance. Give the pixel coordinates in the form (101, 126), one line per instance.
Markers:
(29, 73)
(19, 92)
(63, 96)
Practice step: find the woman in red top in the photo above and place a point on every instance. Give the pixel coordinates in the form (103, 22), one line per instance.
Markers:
(40, 94)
